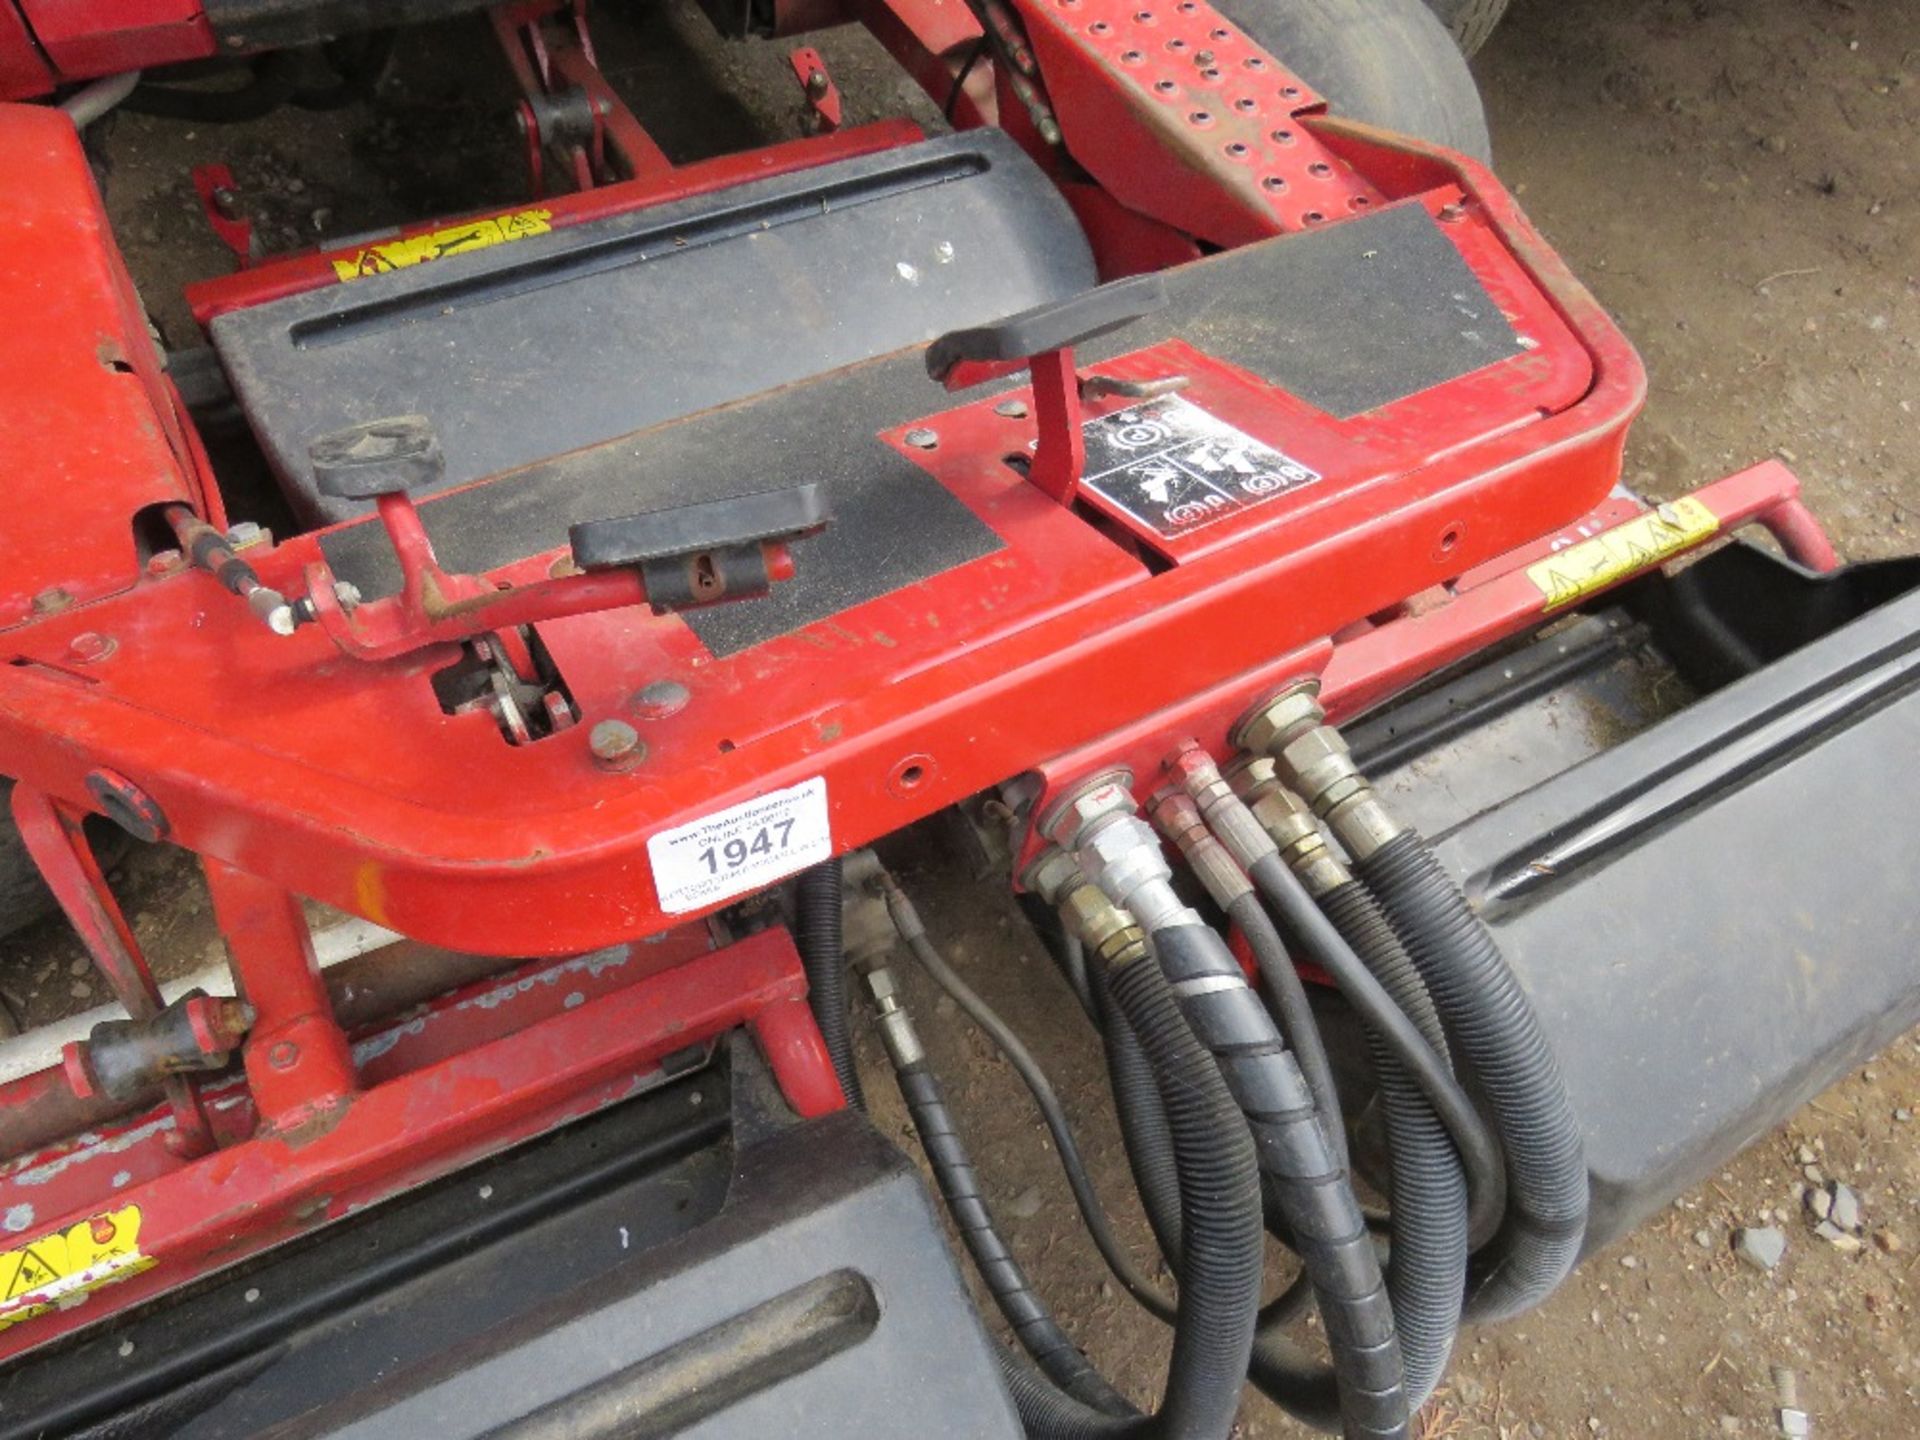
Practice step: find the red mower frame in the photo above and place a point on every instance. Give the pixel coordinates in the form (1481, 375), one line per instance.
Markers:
(134, 686)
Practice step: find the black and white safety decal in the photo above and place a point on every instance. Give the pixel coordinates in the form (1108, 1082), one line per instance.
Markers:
(1173, 466)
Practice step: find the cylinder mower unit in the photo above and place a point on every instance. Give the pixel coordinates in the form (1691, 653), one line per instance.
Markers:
(1212, 498)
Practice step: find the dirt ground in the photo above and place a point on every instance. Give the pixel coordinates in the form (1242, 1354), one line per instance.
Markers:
(1739, 182)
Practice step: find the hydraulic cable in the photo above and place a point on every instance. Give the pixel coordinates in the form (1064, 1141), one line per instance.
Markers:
(906, 920)
(1120, 853)
(1495, 1031)
(1213, 1329)
(1426, 1276)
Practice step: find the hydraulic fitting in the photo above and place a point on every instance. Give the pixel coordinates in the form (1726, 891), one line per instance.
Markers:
(1193, 769)
(1176, 816)
(1311, 758)
(1289, 823)
(1111, 936)
(1100, 824)
(896, 1027)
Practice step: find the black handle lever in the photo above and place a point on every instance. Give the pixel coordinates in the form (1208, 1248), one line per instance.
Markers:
(1054, 326)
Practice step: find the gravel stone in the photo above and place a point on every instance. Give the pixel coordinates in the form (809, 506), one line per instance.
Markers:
(1760, 1246)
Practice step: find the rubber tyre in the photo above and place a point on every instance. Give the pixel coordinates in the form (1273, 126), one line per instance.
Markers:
(1470, 22)
(1390, 63)
(24, 897)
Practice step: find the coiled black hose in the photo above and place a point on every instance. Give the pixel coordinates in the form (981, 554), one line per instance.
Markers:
(820, 903)
(1293, 1011)
(906, 920)
(1220, 1206)
(1038, 1332)
(1494, 1028)
(1427, 1269)
(1144, 1133)
(1329, 1231)
(1305, 925)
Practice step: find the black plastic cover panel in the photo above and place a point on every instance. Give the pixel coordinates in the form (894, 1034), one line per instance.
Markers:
(1715, 917)
(524, 351)
(677, 1265)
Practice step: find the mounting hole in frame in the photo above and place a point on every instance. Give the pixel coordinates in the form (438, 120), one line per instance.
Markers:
(910, 774)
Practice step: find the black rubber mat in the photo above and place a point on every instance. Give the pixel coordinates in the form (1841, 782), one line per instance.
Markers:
(1347, 318)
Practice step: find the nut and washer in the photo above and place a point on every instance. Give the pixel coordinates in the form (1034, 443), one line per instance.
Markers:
(1271, 724)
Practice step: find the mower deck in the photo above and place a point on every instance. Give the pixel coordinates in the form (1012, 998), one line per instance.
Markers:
(991, 532)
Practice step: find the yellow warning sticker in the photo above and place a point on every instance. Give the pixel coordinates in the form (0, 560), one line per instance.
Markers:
(438, 244)
(1625, 550)
(57, 1269)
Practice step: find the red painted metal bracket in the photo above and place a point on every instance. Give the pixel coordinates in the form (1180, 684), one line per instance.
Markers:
(461, 1101)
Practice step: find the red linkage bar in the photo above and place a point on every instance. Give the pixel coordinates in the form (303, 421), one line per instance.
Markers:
(165, 1223)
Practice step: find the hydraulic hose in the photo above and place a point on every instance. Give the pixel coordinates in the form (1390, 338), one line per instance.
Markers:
(1306, 926)
(1499, 1037)
(1144, 1132)
(820, 903)
(1033, 1324)
(1427, 1269)
(1329, 1231)
(1219, 1197)
(906, 920)
(1493, 1026)
(1293, 1011)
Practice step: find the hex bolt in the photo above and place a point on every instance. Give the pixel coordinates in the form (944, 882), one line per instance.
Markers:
(817, 82)
(283, 1055)
(922, 438)
(52, 601)
(616, 745)
(164, 562)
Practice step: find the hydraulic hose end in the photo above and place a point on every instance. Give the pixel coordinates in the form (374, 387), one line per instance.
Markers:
(1288, 821)
(1192, 769)
(1176, 816)
(1093, 801)
(896, 1027)
(1318, 766)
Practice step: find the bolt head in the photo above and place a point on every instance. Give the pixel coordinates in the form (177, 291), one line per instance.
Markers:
(283, 1054)
(1108, 793)
(164, 562)
(1052, 875)
(616, 745)
(51, 601)
(922, 438)
(89, 646)
(1011, 409)
(661, 699)
(1276, 720)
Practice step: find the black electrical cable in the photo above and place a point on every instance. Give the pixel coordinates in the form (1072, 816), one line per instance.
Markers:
(1315, 1195)
(1306, 926)
(821, 906)
(907, 921)
(1293, 1012)
(1499, 1038)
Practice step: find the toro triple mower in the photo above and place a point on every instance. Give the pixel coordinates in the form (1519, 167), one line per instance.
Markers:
(1205, 496)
